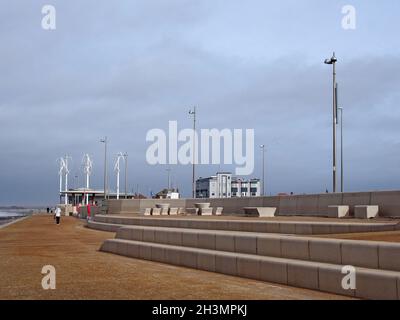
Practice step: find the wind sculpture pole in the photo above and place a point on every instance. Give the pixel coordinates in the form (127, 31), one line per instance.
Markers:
(87, 169)
(117, 169)
(61, 170)
(66, 172)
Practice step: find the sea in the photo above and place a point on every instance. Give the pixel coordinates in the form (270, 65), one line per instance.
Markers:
(7, 215)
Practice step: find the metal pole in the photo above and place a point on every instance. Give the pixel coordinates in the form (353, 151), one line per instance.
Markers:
(105, 167)
(126, 175)
(334, 127)
(263, 169)
(341, 150)
(169, 178)
(66, 180)
(194, 153)
(333, 61)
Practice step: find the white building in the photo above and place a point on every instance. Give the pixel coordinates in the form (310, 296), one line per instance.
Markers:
(223, 185)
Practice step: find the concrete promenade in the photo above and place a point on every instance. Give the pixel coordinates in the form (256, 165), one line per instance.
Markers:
(85, 273)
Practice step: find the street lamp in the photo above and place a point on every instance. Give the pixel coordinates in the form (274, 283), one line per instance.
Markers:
(193, 113)
(105, 141)
(126, 174)
(263, 169)
(333, 61)
(169, 178)
(341, 150)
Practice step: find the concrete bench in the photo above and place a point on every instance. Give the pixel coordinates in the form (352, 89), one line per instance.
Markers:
(338, 211)
(218, 211)
(164, 208)
(174, 211)
(156, 211)
(145, 212)
(366, 212)
(260, 211)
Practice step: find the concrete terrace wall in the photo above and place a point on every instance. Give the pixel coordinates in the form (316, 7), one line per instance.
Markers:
(310, 205)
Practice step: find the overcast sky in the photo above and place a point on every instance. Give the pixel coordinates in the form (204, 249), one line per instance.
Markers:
(121, 68)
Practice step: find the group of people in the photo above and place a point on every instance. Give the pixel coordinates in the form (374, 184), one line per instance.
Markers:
(57, 212)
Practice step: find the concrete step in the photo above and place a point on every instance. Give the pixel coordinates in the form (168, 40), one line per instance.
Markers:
(370, 284)
(104, 226)
(285, 227)
(368, 254)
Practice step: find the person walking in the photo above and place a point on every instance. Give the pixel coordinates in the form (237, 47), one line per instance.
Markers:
(58, 215)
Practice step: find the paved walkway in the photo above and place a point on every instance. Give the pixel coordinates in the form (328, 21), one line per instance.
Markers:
(85, 273)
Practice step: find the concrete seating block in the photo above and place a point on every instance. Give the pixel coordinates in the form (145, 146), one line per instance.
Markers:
(218, 211)
(339, 228)
(124, 233)
(122, 247)
(389, 256)
(226, 263)
(190, 239)
(206, 212)
(206, 261)
(206, 241)
(330, 280)
(158, 254)
(133, 250)
(192, 211)
(174, 238)
(145, 251)
(268, 246)
(225, 242)
(148, 235)
(137, 234)
(294, 248)
(156, 211)
(366, 212)
(273, 270)
(173, 211)
(188, 258)
(173, 256)
(246, 244)
(160, 236)
(248, 267)
(376, 284)
(145, 212)
(267, 212)
(303, 274)
(338, 211)
(319, 228)
(109, 245)
(363, 254)
(287, 228)
(303, 228)
(328, 251)
(272, 227)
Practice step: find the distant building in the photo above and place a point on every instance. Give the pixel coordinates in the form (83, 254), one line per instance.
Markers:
(167, 194)
(224, 185)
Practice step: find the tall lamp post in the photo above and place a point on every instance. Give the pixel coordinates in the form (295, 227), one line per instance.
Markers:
(193, 112)
(341, 150)
(126, 174)
(333, 61)
(169, 178)
(105, 141)
(263, 169)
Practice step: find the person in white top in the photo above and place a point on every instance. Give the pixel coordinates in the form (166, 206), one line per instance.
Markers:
(58, 215)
